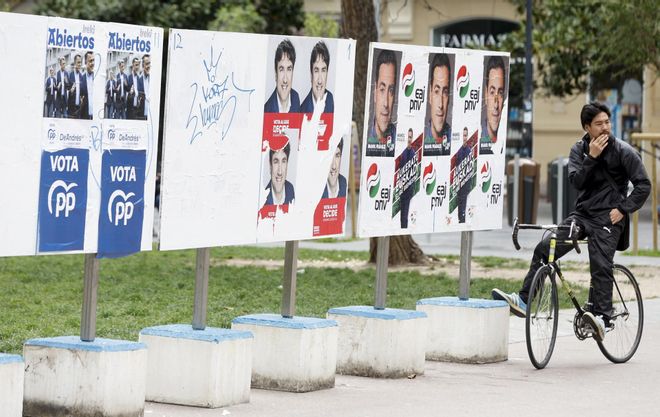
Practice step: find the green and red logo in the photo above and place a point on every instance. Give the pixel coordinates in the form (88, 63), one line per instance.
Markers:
(408, 80)
(373, 180)
(486, 177)
(463, 81)
(429, 178)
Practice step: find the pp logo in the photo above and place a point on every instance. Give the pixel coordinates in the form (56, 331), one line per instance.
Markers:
(463, 81)
(122, 209)
(65, 199)
(429, 178)
(373, 180)
(486, 177)
(408, 80)
(111, 134)
(51, 135)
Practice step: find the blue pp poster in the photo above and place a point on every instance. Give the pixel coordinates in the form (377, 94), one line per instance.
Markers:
(122, 202)
(63, 200)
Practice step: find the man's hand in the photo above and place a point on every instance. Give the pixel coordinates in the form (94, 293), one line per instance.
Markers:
(597, 145)
(615, 216)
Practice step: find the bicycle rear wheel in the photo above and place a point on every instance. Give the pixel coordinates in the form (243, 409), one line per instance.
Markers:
(623, 336)
(542, 317)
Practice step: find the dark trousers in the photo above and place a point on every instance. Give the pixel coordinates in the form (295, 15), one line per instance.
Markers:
(462, 203)
(405, 207)
(603, 238)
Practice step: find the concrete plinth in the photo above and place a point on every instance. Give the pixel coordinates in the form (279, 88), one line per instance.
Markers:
(388, 343)
(67, 377)
(204, 368)
(11, 385)
(467, 331)
(296, 354)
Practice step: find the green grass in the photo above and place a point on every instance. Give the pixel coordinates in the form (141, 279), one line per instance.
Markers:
(277, 253)
(42, 296)
(643, 252)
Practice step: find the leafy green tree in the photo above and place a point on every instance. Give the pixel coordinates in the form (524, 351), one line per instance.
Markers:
(238, 18)
(588, 43)
(316, 25)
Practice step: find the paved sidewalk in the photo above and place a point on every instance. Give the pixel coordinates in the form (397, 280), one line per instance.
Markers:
(578, 381)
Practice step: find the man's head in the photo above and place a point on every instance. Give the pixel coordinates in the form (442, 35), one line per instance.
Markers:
(111, 74)
(384, 90)
(279, 161)
(62, 63)
(465, 135)
(77, 62)
(136, 65)
(335, 165)
(51, 71)
(495, 91)
(89, 61)
(146, 64)
(285, 60)
(410, 136)
(121, 65)
(318, 65)
(440, 81)
(595, 119)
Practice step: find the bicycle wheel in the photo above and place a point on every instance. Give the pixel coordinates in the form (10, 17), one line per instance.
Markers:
(625, 332)
(542, 317)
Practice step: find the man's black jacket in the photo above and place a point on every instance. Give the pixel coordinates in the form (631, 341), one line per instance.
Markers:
(595, 194)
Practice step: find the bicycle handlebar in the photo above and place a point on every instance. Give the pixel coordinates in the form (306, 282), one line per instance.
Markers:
(572, 232)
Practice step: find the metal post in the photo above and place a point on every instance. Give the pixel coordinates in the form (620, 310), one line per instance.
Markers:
(201, 288)
(516, 188)
(90, 290)
(560, 190)
(466, 262)
(289, 280)
(382, 260)
(654, 198)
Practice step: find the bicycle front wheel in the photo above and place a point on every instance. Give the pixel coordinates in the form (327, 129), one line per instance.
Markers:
(542, 317)
(625, 331)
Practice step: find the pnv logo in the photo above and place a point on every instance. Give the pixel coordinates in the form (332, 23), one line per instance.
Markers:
(463, 81)
(65, 199)
(51, 135)
(408, 80)
(429, 178)
(373, 180)
(120, 206)
(486, 176)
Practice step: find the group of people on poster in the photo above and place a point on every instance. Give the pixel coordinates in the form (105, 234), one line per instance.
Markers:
(437, 132)
(283, 106)
(127, 93)
(68, 93)
(69, 90)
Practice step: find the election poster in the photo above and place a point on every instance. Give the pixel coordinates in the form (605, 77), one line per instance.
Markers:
(435, 134)
(58, 111)
(254, 138)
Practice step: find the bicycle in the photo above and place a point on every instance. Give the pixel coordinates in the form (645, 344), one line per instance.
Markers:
(623, 329)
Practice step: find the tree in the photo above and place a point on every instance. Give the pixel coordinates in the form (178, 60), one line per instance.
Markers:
(359, 23)
(590, 43)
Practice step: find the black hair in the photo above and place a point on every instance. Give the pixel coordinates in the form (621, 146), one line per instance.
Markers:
(496, 62)
(340, 145)
(440, 60)
(285, 47)
(591, 110)
(410, 130)
(286, 149)
(320, 49)
(87, 54)
(145, 56)
(385, 57)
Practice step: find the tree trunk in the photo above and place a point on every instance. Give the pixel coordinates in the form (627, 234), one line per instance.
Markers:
(359, 23)
(403, 250)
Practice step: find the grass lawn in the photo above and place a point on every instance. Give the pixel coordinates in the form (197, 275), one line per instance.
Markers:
(42, 295)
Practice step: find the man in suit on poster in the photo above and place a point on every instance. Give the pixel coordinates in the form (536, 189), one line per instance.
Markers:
(319, 65)
(122, 91)
(62, 79)
(281, 191)
(51, 91)
(284, 99)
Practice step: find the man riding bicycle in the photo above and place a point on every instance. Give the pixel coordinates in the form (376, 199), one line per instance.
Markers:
(599, 168)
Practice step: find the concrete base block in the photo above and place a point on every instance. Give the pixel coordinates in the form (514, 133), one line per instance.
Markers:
(204, 368)
(11, 385)
(388, 343)
(296, 354)
(467, 331)
(65, 376)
